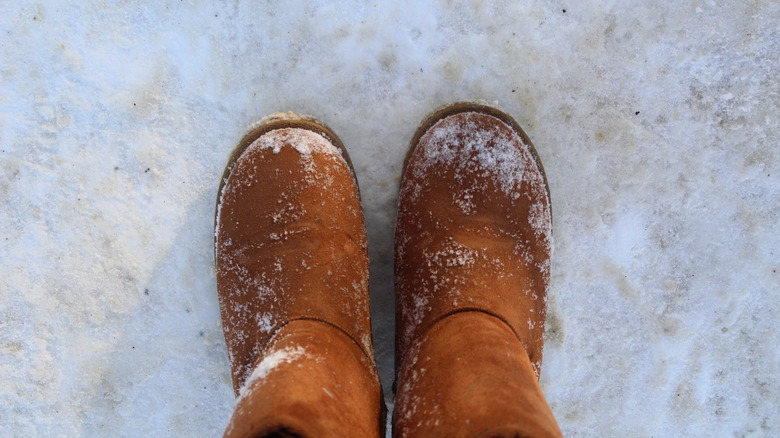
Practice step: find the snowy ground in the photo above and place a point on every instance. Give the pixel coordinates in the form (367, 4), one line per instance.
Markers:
(658, 125)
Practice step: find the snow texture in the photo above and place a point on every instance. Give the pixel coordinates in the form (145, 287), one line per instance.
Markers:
(269, 364)
(657, 123)
(304, 141)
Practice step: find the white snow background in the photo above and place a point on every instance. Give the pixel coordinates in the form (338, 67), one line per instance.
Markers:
(657, 123)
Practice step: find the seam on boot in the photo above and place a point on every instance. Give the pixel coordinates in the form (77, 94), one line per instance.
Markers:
(328, 323)
(433, 323)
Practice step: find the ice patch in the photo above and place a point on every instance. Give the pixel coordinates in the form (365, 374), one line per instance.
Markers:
(626, 238)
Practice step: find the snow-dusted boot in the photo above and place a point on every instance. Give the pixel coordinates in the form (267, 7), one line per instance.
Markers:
(472, 265)
(292, 276)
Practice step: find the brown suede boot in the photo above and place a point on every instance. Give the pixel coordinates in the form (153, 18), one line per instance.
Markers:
(472, 265)
(292, 275)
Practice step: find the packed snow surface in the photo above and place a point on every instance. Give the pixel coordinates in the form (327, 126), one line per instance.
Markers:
(657, 123)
